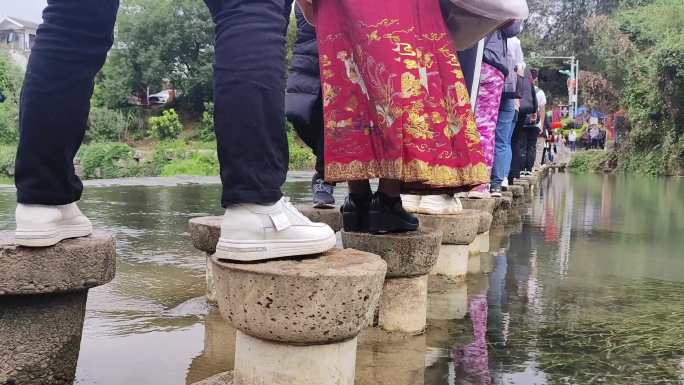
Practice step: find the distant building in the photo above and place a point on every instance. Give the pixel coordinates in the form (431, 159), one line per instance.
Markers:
(17, 37)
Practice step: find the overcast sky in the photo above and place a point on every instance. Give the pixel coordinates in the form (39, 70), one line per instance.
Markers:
(24, 9)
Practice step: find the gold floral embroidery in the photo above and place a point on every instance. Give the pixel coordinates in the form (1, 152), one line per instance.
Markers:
(412, 171)
(381, 23)
(330, 94)
(437, 118)
(411, 64)
(410, 86)
(416, 123)
(325, 61)
(462, 95)
(328, 74)
(374, 36)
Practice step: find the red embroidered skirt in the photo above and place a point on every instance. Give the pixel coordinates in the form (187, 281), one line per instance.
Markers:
(395, 102)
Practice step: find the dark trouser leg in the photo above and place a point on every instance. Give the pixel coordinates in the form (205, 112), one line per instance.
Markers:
(70, 48)
(249, 95)
(312, 134)
(530, 147)
(516, 140)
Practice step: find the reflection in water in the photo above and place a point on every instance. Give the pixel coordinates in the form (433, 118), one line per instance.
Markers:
(588, 288)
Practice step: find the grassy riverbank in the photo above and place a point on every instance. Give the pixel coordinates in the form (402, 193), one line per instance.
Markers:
(104, 160)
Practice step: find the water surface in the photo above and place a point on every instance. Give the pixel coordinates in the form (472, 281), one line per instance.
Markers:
(588, 289)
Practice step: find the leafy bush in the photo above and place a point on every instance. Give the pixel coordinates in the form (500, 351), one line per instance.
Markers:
(199, 164)
(165, 127)
(206, 126)
(105, 125)
(590, 161)
(9, 121)
(301, 158)
(7, 157)
(108, 160)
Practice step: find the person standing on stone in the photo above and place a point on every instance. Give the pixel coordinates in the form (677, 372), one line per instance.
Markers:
(396, 108)
(249, 85)
(508, 115)
(304, 105)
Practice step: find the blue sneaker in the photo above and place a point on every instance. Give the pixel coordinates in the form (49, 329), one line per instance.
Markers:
(322, 194)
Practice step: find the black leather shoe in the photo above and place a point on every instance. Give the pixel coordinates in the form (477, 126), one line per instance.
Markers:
(387, 215)
(355, 213)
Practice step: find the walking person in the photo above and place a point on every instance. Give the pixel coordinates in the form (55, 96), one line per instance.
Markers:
(495, 69)
(249, 85)
(572, 140)
(508, 110)
(526, 129)
(304, 106)
(396, 108)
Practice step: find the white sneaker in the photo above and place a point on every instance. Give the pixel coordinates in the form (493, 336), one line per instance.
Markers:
(504, 183)
(411, 202)
(440, 205)
(254, 232)
(43, 226)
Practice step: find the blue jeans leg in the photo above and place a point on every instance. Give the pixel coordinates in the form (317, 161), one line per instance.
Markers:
(502, 145)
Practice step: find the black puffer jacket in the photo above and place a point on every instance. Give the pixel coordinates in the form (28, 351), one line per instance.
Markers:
(304, 82)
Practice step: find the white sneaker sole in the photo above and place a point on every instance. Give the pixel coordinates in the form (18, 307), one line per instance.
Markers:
(49, 238)
(252, 251)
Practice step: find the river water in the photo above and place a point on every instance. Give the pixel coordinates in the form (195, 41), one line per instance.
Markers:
(589, 288)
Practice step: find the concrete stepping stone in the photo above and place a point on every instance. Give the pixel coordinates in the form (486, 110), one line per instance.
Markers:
(410, 257)
(459, 232)
(481, 242)
(500, 214)
(331, 217)
(43, 294)
(298, 320)
(447, 300)
(391, 358)
(486, 204)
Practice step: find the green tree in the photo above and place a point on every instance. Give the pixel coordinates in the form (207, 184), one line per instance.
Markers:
(160, 41)
(10, 86)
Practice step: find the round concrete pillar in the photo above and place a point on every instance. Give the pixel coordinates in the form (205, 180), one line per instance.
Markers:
(403, 306)
(258, 362)
(298, 320)
(43, 294)
(410, 257)
(447, 301)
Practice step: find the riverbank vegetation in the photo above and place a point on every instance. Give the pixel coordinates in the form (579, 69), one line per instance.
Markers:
(632, 52)
(155, 50)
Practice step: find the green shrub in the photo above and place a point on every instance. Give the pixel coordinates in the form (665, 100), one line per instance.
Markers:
(590, 161)
(7, 157)
(9, 121)
(199, 164)
(206, 126)
(105, 125)
(167, 126)
(301, 158)
(108, 160)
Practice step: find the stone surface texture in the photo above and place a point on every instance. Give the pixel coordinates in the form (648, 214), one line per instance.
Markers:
(407, 255)
(211, 281)
(458, 229)
(452, 262)
(205, 233)
(486, 204)
(500, 215)
(71, 265)
(331, 217)
(485, 223)
(517, 190)
(474, 266)
(219, 379)
(312, 301)
(41, 337)
(259, 362)
(403, 307)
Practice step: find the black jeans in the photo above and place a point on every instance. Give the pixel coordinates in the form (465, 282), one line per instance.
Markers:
(312, 134)
(516, 158)
(249, 85)
(528, 146)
